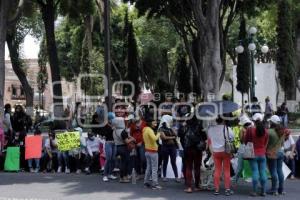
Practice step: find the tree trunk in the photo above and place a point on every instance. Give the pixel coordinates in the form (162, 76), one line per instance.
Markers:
(4, 5)
(17, 67)
(48, 15)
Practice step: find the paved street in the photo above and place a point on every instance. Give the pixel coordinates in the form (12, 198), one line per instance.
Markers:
(19, 186)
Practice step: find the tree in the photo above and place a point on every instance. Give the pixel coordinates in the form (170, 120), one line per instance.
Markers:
(243, 65)
(9, 13)
(48, 10)
(285, 54)
(183, 74)
(42, 77)
(132, 61)
(29, 23)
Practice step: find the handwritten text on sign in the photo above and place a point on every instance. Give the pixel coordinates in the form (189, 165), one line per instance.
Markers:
(68, 140)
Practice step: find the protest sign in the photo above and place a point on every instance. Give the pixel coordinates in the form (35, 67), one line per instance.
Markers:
(33, 147)
(12, 160)
(67, 141)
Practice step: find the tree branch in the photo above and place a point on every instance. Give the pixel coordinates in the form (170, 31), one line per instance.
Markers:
(41, 2)
(56, 4)
(17, 15)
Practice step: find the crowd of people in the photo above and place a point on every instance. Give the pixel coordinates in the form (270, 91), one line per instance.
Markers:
(131, 145)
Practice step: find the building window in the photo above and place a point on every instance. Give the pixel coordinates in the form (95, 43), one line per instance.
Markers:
(22, 91)
(13, 91)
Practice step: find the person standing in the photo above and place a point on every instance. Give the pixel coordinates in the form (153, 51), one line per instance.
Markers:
(21, 123)
(283, 114)
(268, 110)
(195, 144)
(121, 139)
(151, 148)
(107, 134)
(7, 126)
(216, 140)
(169, 145)
(259, 136)
(275, 154)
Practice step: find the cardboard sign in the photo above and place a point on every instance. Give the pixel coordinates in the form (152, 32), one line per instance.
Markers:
(67, 141)
(33, 147)
(12, 160)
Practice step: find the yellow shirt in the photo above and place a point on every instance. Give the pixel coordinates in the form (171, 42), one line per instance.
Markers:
(150, 139)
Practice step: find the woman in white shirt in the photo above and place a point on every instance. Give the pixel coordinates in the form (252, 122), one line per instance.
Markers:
(216, 142)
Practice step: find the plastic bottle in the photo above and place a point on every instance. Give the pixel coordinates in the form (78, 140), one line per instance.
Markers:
(133, 176)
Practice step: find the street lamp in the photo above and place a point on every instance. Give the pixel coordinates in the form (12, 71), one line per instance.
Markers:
(252, 49)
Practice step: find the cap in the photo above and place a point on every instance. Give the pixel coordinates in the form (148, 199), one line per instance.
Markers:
(244, 120)
(275, 119)
(257, 117)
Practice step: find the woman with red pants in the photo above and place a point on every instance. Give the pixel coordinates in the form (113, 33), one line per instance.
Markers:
(216, 142)
(195, 143)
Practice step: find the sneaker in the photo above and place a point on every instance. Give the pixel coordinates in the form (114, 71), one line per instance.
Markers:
(31, 170)
(292, 177)
(165, 180)
(87, 171)
(112, 177)
(156, 187)
(124, 180)
(67, 171)
(253, 194)
(282, 193)
(216, 192)
(78, 171)
(272, 193)
(105, 179)
(147, 185)
(177, 180)
(59, 170)
(36, 170)
(228, 192)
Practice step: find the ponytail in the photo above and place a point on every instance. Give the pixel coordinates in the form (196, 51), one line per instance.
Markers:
(260, 128)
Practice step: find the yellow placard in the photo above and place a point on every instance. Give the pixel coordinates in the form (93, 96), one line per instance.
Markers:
(67, 141)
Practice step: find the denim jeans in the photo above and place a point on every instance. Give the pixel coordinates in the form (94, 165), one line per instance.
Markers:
(259, 166)
(109, 158)
(123, 152)
(291, 163)
(63, 157)
(37, 163)
(275, 167)
(140, 164)
(152, 168)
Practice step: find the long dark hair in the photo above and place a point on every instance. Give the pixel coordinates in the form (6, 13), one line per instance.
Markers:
(260, 128)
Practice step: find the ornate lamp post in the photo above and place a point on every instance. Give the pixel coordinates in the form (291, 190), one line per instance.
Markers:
(252, 48)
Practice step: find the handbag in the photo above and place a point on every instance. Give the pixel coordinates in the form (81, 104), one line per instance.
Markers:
(247, 150)
(229, 144)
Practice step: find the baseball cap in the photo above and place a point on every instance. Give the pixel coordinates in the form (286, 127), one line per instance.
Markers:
(275, 119)
(257, 117)
(244, 120)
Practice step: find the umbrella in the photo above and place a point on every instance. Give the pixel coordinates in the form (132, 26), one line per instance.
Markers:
(217, 108)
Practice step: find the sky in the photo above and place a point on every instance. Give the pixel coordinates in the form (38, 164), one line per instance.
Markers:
(30, 48)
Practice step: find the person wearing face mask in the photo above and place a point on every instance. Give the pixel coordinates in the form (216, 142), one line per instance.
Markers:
(169, 145)
(93, 146)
